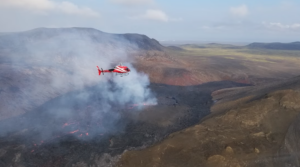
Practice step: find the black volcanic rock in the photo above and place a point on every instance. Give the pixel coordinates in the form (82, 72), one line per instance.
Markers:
(277, 46)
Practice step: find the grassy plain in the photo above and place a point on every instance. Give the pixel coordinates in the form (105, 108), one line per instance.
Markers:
(215, 62)
(264, 55)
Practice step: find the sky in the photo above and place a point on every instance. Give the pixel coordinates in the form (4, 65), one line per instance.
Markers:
(164, 20)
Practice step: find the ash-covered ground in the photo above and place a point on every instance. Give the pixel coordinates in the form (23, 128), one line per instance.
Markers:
(49, 136)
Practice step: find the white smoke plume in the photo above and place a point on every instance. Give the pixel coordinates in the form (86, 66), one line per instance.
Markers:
(45, 64)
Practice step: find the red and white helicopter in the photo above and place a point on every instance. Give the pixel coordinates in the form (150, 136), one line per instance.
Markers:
(119, 70)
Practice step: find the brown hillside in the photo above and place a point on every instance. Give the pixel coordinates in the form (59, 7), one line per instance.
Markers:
(249, 133)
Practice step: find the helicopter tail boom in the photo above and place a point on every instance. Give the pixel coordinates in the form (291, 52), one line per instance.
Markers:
(100, 71)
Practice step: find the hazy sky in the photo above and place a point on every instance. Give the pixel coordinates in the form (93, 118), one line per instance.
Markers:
(198, 20)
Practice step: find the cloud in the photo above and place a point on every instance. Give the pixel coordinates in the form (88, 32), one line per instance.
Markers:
(48, 6)
(280, 26)
(132, 2)
(231, 25)
(70, 8)
(239, 11)
(156, 15)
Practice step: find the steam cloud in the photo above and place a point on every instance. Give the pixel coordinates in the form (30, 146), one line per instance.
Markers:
(48, 63)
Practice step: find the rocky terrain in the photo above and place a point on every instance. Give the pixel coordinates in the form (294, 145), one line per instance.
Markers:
(188, 105)
(253, 126)
(39, 138)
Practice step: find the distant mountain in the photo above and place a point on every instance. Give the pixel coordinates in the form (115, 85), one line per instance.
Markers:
(211, 45)
(276, 45)
(175, 48)
(192, 46)
(220, 45)
(17, 40)
(256, 45)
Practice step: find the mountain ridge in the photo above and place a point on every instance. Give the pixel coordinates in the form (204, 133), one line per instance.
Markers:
(131, 40)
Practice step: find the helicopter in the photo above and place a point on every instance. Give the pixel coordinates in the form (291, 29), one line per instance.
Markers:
(119, 70)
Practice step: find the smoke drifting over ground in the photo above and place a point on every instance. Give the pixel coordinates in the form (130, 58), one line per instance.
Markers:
(47, 64)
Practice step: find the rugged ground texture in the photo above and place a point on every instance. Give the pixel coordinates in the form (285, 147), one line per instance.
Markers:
(178, 108)
(241, 126)
(250, 132)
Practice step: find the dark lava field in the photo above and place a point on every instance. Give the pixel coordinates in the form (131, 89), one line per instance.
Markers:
(39, 138)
